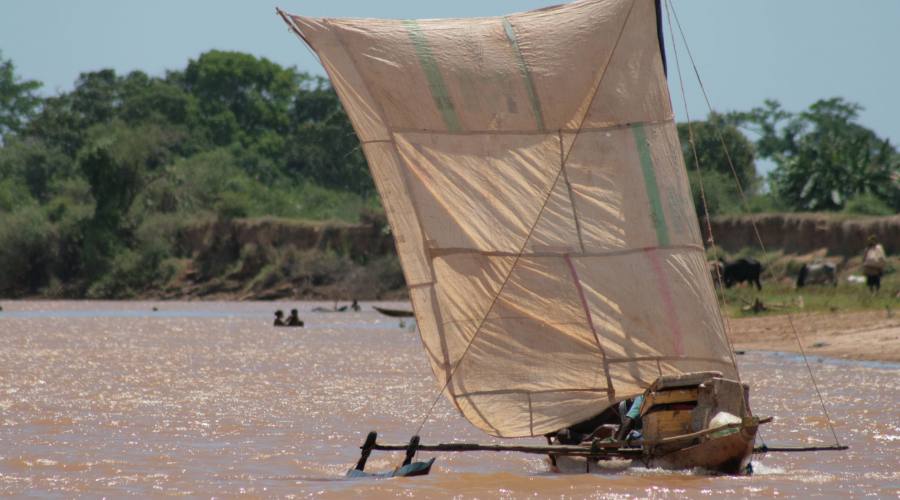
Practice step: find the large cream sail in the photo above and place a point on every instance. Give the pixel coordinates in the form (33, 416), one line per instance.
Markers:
(531, 172)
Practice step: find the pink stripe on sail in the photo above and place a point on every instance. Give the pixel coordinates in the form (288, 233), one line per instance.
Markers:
(666, 294)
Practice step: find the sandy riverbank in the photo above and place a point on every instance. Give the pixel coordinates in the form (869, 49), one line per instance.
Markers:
(870, 335)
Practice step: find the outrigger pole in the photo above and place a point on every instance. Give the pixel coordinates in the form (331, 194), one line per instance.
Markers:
(788, 449)
(604, 449)
(597, 449)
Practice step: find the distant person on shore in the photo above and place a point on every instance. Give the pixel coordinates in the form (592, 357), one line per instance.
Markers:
(279, 318)
(294, 319)
(355, 306)
(874, 260)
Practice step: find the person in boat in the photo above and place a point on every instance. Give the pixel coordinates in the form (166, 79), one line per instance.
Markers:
(597, 427)
(631, 420)
(874, 260)
(294, 319)
(279, 318)
(627, 414)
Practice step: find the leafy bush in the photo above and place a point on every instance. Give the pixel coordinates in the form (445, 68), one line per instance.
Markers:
(133, 271)
(14, 195)
(720, 190)
(867, 204)
(26, 249)
(765, 202)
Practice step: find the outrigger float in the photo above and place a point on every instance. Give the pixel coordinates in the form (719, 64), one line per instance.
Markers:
(531, 172)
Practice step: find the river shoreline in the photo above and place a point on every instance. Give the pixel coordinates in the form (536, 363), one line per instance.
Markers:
(864, 335)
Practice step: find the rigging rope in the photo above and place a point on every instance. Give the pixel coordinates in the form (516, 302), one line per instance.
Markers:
(706, 217)
(712, 241)
(745, 204)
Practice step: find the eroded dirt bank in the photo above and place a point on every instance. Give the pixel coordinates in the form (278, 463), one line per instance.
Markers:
(804, 233)
(269, 258)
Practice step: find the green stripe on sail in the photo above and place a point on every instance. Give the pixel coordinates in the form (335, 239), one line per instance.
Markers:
(656, 210)
(526, 75)
(433, 74)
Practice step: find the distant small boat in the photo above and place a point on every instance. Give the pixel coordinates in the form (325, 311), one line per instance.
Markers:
(394, 313)
(330, 309)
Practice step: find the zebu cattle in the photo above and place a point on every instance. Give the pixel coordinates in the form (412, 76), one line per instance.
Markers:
(742, 270)
(817, 273)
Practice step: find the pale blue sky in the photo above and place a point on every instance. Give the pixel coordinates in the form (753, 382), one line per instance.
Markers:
(795, 51)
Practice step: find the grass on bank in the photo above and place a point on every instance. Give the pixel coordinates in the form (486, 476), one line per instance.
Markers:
(780, 295)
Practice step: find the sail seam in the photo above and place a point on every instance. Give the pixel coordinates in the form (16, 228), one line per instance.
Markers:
(667, 358)
(526, 73)
(499, 392)
(394, 148)
(439, 320)
(590, 321)
(564, 130)
(381, 118)
(428, 186)
(445, 252)
(537, 219)
(404, 179)
(571, 193)
(530, 416)
(602, 74)
(439, 92)
(505, 318)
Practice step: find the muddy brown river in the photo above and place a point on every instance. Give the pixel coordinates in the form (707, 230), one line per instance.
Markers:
(208, 400)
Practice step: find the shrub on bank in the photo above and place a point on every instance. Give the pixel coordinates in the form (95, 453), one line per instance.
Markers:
(867, 204)
(26, 250)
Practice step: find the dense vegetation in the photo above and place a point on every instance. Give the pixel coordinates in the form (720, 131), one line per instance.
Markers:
(97, 182)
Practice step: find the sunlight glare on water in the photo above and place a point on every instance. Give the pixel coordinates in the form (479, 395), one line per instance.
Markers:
(208, 399)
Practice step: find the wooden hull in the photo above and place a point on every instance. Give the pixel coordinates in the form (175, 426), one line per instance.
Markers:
(726, 453)
(729, 454)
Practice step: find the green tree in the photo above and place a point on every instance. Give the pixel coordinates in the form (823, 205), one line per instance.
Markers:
(116, 162)
(240, 96)
(147, 99)
(107, 175)
(25, 250)
(36, 164)
(64, 119)
(722, 193)
(824, 157)
(18, 98)
(326, 149)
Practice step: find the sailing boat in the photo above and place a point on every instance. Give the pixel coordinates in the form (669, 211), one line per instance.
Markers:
(532, 176)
